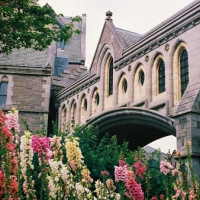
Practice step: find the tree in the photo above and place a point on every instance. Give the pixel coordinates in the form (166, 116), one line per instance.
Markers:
(23, 23)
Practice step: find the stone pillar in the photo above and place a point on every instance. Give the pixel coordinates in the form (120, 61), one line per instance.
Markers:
(188, 130)
(168, 82)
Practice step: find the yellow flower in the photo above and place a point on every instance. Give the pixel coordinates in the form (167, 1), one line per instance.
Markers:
(27, 134)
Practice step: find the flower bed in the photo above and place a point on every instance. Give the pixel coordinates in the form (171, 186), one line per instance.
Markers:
(39, 167)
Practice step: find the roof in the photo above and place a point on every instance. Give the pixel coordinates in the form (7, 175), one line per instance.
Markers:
(32, 58)
(25, 57)
(128, 37)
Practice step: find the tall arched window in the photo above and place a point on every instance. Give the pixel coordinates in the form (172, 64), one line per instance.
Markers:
(184, 70)
(161, 76)
(95, 101)
(110, 77)
(3, 91)
(73, 116)
(63, 119)
(84, 106)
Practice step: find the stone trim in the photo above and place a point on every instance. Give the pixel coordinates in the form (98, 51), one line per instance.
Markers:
(163, 40)
(77, 89)
(21, 70)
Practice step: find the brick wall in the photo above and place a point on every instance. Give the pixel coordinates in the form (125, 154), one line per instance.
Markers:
(31, 95)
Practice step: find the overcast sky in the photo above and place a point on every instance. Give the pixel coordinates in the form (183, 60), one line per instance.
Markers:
(133, 15)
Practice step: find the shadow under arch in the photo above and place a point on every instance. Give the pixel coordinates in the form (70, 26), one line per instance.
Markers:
(138, 126)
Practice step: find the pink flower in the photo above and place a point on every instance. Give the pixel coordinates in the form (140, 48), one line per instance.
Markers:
(105, 173)
(162, 197)
(134, 189)
(120, 173)
(110, 184)
(12, 121)
(174, 171)
(154, 198)
(140, 168)
(41, 145)
(122, 162)
(165, 167)
(11, 147)
(192, 195)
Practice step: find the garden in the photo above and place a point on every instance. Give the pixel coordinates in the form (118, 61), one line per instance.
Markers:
(86, 165)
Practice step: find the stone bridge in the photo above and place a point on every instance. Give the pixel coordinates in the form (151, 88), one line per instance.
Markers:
(137, 125)
(141, 87)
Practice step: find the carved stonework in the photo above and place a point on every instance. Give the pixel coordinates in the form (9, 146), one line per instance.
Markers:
(147, 58)
(167, 47)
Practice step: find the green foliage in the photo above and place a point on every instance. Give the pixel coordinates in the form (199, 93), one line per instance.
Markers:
(26, 24)
(101, 152)
(155, 179)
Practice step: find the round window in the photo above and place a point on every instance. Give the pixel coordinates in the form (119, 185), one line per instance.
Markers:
(124, 86)
(141, 78)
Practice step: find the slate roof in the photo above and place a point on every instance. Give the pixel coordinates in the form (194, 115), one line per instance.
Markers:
(31, 58)
(128, 37)
(25, 57)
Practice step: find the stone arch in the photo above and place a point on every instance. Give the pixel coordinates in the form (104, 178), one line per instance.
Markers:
(108, 81)
(73, 113)
(139, 82)
(104, 53)
(63, 118)
(138, 126)
(83, 108)
(157, 60)
(95, 101)
(176, 71)
(122, 88)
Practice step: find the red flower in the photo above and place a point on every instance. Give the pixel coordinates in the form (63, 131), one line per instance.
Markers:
(140, 168)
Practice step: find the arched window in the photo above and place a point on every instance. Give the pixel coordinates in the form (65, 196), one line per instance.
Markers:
(73, 116)
(139, 84)
(141, 78)
(3, 91)
(84, 106)
(63, 119)
(161, 76)
(184, 75)
(124, 85)
(110, 77)
(95, 101)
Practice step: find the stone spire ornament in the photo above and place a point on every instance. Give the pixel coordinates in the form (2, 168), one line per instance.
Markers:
(109, 15)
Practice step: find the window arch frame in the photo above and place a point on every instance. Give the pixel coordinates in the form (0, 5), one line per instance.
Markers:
(73, 113)
(178, 48)
(3, 91)
(161, 76)
(95, 101)
(83, 108)
(183, 67)
(63, 118)
(110, 75)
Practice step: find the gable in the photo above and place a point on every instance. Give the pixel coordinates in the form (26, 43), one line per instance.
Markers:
(108, 40)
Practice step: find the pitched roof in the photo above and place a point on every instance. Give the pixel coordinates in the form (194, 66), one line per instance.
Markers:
(25, 57)
(128, 37)
(31, 58)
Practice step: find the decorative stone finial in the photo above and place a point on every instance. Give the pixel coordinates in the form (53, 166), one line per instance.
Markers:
(108, 15)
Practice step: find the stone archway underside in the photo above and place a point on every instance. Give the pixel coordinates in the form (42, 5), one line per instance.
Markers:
(136, 125)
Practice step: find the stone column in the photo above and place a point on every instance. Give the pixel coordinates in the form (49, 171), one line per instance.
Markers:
(188, 130)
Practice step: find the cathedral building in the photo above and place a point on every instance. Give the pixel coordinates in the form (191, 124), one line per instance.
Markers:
(140, 87)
